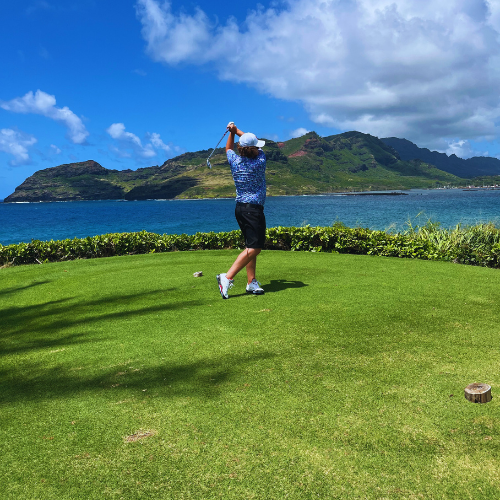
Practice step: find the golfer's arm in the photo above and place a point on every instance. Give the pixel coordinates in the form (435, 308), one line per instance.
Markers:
(230, 139)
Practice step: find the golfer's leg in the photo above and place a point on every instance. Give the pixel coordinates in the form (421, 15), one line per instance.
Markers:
(251, 270)
(241, 261)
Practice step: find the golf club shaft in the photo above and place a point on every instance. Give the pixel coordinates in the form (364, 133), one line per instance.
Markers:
(218, 144)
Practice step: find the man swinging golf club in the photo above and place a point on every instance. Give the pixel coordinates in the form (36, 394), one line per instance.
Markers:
(249, 175)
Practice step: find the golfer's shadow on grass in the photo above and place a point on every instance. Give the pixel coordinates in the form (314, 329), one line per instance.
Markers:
(280, 285)
(277, 286)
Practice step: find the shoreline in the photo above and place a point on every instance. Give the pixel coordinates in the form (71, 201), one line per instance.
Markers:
(391, 192)
(57, 220)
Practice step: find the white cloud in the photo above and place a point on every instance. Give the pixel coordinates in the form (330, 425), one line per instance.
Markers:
(131, 145)
(299, 132)
(41, 103)
(117, 131)
(420, 69)
(158, 143)
(16, 143)
(463, 149)
(173, 39)
(54, 149)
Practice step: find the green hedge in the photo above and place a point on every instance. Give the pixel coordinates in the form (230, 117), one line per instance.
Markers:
(434, 245)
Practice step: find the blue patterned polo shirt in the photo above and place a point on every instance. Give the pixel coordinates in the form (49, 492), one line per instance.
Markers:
(249, 175)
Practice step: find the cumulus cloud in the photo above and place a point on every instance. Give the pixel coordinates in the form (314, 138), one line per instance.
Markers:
(131, 146)
(117, 131)
(174, 39)
(41, 103)
(158, 143)
(463, 149)
(16, 143)
(299, 132)
(420, 69)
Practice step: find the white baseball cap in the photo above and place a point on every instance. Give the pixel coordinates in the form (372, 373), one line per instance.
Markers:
(249, 139)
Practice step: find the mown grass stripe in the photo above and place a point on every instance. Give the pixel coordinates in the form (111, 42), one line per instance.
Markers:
(345, 380)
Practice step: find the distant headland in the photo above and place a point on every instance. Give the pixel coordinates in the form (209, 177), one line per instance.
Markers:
(348, 162)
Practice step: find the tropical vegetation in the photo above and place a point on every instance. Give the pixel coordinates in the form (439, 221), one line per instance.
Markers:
(475, 245)
(310, 164)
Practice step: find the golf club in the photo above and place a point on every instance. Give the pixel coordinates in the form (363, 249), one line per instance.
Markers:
(227, 130)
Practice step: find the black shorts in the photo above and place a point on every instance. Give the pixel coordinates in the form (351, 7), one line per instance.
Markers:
(252, 222)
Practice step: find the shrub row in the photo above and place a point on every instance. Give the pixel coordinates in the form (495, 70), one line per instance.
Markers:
(432, 244)
(113, 244)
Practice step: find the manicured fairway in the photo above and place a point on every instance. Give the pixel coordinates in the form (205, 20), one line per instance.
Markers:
(129, 378)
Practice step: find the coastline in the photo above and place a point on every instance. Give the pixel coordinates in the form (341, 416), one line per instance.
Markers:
(388, 192)
(22, 222)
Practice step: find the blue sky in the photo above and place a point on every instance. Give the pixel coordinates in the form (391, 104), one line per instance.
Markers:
(131, 83)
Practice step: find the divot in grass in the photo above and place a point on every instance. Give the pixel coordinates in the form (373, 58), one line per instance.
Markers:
(139, 435)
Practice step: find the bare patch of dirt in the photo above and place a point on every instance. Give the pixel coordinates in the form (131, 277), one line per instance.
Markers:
(139, 435)
(298, 153)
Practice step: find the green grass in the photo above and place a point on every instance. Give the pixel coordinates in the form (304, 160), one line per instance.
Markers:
(345, 380)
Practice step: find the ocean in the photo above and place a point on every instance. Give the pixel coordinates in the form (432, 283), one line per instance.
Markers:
(22, 222)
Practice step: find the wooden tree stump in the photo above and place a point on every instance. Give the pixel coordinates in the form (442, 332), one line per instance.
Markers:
(478, 393)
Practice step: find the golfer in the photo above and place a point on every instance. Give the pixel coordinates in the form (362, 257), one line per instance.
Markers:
(249, 175)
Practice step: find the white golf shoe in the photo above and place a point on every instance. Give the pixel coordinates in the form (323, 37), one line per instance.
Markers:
(224, 285)
(255, 288)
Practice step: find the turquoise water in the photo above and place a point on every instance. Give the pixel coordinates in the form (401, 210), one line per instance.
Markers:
(45, 221)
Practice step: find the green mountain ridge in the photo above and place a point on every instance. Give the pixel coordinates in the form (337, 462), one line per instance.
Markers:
(469, 168)
(351, 161)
